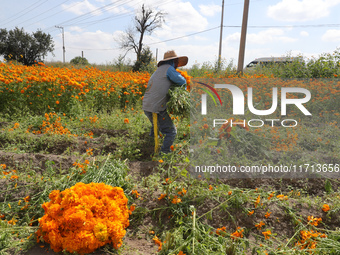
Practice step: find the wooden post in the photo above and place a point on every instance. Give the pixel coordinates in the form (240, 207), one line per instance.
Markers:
(243, 37)
(155, 131)
(220, 46)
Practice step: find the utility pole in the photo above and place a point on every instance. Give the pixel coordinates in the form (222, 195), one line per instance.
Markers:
(220, 46)
(243, 37)
(62, 28)
(156, 54)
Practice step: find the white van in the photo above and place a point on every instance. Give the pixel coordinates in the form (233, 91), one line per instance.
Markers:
(270, 60)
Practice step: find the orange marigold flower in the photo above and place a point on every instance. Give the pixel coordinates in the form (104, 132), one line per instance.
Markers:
(237, 234)
(13, 177)
(267, 215)
(210, 187)
(132, 208)
(271, 195)
(84, 217)
(158, 242)
(257, 201)
(176, 200)
(325, 208)
(259, 225)
(313, 221)
(162, 196)
(251, 212)
(282, 197)
(221, 230)
(267, 234)
(126, 121)
(135, 192)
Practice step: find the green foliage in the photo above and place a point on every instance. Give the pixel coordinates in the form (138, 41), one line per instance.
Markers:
(212, 70)
(24, 48)
(327, 65)
(120, 64)
(144, 62)
(80, 61)
(179, 102)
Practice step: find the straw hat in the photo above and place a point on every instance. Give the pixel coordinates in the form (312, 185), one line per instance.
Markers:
(182, 60)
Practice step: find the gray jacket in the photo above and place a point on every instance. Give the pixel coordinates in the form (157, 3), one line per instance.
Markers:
(155, 97)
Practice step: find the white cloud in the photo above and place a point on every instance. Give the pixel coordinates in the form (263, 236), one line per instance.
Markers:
(263, 37)
(233, 38)
(301, 10)
(97, 46)
(117, 10)
(304, 33)
(76, 29)
(209, 10)
(90, 40)
(181, 19)
(332, 35)
(269, 36)
(81, 7)
(185, 18)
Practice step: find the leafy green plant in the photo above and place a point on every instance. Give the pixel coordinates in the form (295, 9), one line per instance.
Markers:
(179, 102)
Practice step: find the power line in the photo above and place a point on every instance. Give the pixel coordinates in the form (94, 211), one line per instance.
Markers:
(290, 26)
(113, 17)
(180, 37)
(93, 49)
(94, 12)
(203, 31)
(85, 15)
(53, 8)
(97, 21)
(26, 11)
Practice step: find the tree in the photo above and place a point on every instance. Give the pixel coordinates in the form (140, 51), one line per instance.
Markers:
(144, 63)
(28, 49)
(80, 61)
(146, 21)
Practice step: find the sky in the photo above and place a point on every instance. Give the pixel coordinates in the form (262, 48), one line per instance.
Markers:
(191, 28)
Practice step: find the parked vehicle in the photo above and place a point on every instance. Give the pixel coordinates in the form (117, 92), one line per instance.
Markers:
(270, 61)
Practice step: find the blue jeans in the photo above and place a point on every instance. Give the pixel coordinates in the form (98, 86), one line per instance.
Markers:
(166, 127)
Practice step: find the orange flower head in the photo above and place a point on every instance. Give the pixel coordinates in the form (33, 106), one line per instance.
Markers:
(267, 215)
(237, 234)
(325, 208)
(162, 196)
(267, 234)
(259, 225)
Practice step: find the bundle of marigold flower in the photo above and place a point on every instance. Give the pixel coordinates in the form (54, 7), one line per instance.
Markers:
(84, 217)
(179, 98)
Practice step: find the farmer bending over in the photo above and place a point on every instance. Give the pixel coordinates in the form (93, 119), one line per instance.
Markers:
(155, 97)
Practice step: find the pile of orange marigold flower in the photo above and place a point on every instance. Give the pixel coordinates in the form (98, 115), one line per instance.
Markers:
(84, 217)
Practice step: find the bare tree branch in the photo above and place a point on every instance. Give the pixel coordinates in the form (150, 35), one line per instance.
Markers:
(146, 21)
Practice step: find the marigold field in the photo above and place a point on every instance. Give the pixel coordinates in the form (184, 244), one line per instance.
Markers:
(77, 163)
